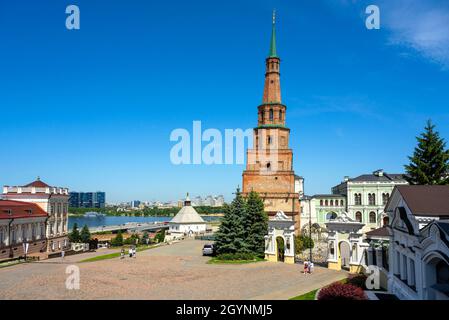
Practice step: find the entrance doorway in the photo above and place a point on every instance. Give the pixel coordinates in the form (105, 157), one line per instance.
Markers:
(345, 254)
(280, 249)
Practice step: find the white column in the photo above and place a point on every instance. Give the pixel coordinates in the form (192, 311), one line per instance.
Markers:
(379, 258)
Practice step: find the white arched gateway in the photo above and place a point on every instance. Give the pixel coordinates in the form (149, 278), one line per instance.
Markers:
(345, 244)
(280, 241)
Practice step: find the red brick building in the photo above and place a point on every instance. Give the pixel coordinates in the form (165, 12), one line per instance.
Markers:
(269, 169)
(21, 222)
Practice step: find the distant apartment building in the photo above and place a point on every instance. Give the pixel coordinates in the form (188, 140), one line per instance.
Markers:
(87, 199)
(135, 204)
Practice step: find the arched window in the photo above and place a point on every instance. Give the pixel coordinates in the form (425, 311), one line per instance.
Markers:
(358, 199)
(371, 199)
(269, 140)
(331, 216)
(386, 221)
(268, 166)
(332, 203)
(280, 115)
(442, 271)
(372, 217)
(271, 114)
(327, 203)
(358, 216)
(263, 115)
(341, 203)
(321, 202)
(385, 197)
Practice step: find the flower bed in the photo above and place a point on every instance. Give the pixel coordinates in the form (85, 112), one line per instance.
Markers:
(341, 291)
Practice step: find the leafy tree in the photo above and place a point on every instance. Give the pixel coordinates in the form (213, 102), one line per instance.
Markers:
(160, 237)
(145, 238)
(255, 224)
(429, 164)
(230, 237)
(85, 234)
(74, 236)
(302, 243)
(118, 240)
(134, 239)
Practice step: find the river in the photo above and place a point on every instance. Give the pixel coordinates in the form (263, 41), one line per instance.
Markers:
(117, 220)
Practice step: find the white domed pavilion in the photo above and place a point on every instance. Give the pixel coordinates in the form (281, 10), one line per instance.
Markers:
(187, 221)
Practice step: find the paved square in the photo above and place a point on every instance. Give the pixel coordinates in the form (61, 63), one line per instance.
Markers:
(176, 271)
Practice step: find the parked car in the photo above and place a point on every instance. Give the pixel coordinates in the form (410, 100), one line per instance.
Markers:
(208, 250)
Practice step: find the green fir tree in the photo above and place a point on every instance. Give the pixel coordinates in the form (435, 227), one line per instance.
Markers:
(74, 236)
(85, 234)
(256, 224)
(230, 237)
(429, 164)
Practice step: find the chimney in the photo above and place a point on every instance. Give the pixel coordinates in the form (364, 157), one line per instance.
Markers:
(379, 173)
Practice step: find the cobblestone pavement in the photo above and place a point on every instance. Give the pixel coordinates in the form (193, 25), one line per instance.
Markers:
(176, 271)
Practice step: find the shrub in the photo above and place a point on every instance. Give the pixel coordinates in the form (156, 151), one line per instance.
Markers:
(357, 280)
(340, 291)
(236, 256)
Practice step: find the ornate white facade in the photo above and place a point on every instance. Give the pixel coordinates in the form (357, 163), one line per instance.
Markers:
(53, 200)
(419, 247)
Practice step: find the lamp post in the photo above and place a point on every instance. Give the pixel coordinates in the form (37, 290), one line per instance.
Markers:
(304, 197)
(310, 229)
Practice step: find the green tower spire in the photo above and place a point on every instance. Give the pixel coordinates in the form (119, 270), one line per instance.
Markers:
(273, 38)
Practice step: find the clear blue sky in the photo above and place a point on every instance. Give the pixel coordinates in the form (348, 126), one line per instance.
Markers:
(93, 109)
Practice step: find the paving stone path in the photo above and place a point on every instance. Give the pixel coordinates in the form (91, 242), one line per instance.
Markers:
(176, 271)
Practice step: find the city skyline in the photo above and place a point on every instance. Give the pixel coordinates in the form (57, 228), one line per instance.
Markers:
(111, 108)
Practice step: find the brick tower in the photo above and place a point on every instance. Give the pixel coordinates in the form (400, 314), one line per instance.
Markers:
(269, 169)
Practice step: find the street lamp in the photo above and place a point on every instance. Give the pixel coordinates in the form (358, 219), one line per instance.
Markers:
(310, 218)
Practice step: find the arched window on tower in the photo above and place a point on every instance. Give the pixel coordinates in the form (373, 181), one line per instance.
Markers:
(280, 115)
(271, 114)
(263, 116)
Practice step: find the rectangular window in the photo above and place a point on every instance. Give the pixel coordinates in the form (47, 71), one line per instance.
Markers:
(404, 275)
(412, 277)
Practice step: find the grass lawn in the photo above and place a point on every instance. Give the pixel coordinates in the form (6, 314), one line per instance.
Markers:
(218, 261)
(307, 296)
(117, 254)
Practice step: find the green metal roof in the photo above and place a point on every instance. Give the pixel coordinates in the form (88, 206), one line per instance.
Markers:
(273, 53)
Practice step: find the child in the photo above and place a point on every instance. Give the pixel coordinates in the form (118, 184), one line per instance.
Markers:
(306, 266)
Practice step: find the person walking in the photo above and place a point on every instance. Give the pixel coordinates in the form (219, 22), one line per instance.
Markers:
(130, 252)
(306, 266)
(134, 252)
(310, 267)
(62, 255)
(122, 253)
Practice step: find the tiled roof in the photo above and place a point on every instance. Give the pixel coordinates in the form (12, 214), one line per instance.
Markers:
(386, 177)
(380, 232)
(37, 184)
(426, 200)
(187, 215)
(17, 209)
